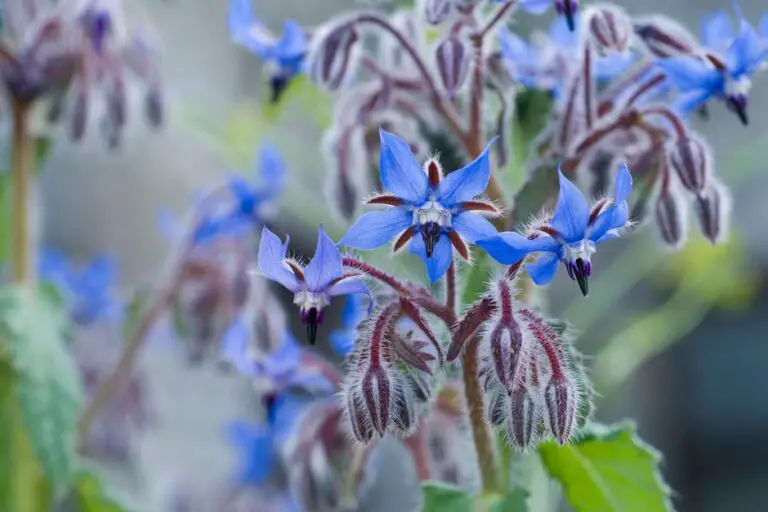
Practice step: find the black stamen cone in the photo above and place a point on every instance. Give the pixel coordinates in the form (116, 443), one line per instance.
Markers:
(743, 117)
(430, 233)
(312, 323)
(581, 277)
(277, 84)
(570, 15)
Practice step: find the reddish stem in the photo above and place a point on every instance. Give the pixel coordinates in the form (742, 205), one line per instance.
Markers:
(450, 287)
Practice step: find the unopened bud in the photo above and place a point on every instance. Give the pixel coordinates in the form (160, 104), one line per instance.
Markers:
(437, 11)
(496, 409)
(670, 212)
(153, 107)
(505, 340)
(712, 207)
(522, 419)
(452, 63)
(691, 159)
(610, 29)
(79, 117)
(116, 100)
(664, 37)
(561, 399)
(331, 59)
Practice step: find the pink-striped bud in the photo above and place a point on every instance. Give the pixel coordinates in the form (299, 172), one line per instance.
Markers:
(670, 217)
(610, 29)
(691, 159)
(523, 419)
(437, 11)
(712, 207)
(505, 342)
(452, 64)
(332, 55)
(665, 37)
(561, 400)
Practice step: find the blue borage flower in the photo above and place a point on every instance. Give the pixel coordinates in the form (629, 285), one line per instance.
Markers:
(570, 237)
(313, 285)
(419, 200)
(724, 72)
(285, 55)
(542, 65)
(89, 292)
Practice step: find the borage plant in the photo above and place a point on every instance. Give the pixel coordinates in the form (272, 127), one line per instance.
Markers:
(448, 80)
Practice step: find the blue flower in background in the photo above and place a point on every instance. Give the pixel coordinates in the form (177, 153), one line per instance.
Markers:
(285, 56)
(571, 236)
(542, 65)
(89, 292)
(420, 201)
(724, 72)
(313, 285)
(247, 204)
(343, 339)
(288, 367)
(567, 8)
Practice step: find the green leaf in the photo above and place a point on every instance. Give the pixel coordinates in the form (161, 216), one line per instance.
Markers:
(608, 469)
(90, 495)
(441, 497)
(474, 278)
(515, 501)
(47, 386)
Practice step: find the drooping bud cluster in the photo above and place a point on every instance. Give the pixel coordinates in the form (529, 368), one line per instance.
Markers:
(533, 385)
(331, 54)
(389, 371)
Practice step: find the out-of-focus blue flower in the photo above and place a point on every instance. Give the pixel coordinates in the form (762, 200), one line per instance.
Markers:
(343, 339)
(285, 55)
(420, 201)
(542, 65)
(762, 28)
(567, 8)
(248, 204)
(89, 292)
(570, 237)
(724, 72)
(312, 285)
(287, 367)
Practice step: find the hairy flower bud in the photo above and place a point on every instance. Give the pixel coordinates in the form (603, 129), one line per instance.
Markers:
(561, 400)
(505, 342)
(712, 207)
(332, 55)
(664, 37)
(670, 217)
(452, 63)
(79, 116)
(523, 419)
(437, 11)
(610, 29)
(691, 159)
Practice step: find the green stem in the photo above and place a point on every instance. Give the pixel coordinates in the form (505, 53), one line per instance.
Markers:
(22, 169)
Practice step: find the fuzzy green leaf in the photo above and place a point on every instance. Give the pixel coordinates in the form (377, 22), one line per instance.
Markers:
(608, 469)
(46, 387)
(515, 501)
(90, 495)
(441, 497)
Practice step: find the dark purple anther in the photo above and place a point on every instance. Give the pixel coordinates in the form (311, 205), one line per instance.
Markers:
(269, 401)
(568, 8)
(430, 233)
(312, 318)
(100, 27)
(738, 104)
(278, 83)
(579, 271)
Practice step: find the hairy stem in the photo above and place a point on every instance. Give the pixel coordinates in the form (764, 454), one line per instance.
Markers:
(450, 287)
(22, 169)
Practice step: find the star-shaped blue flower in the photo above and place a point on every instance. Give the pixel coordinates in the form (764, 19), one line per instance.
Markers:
(286, 368)
(285, 55)
(420, 201)
(570, 237)
(89, 292)
(343, 339)
(724, 72)
(542, 65)
(313, 285)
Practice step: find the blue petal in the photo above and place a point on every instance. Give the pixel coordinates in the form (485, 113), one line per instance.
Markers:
(293, 43)
(350, 286)
(442, 255)
(534, 6)
(326, 264)
(746, 51)
(560, 34)
(374, 229)
(401, 174)
(513, 47)
(689, 73)
(473, 227)
(353, 313)
(762, 27)
(468, 182)
(234, 347)
(543, 270)
(572, 212)
(248, 31)
(691, 101)
(255, 445)
(617, 214)
(510, 247)
(271, 261)
(271, 168)
(623, 187)
(717, 31)
(343, 341)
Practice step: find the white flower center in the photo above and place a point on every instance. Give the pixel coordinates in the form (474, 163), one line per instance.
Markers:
(583, 249)
(738, 87)
(432, 211)
(307, 300)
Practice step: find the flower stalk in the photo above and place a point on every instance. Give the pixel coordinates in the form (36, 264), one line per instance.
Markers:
(22, 170)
